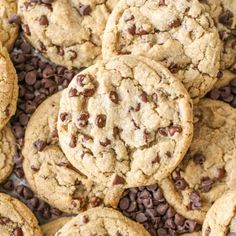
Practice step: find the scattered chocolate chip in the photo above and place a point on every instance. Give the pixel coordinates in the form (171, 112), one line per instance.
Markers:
(85, 219)
(60, 51)
(39, 145)
(18, 232)
(175, 23)
(43, 20)
(73, 142)
(63, 116)
(199, 158)
(174, 129)
(195, 199)
(100, 121)
(15, 19)
(162, 132)
(8, 185)
(95, 201)
(131, 30)
(88, 92)
(73, 54)
(221, 172)
(84, 9)
(181, 184)
(174, 68)
(206, 184)
(114, 97)
(19, 172)
(226, 18)
(144, 97)
(118, 180)
(82, 120)
(105, 142)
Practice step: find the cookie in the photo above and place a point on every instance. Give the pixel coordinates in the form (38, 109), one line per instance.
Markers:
(126, 121)
(8, 87)
(52, 227)
(78, 25)
(179, 34)
(50, 174)
(102, 221)
(8, 23)
(221, 218)
(7, 151)
(208, 170)
(16, 219)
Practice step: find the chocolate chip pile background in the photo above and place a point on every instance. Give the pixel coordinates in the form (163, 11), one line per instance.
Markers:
(38, 79)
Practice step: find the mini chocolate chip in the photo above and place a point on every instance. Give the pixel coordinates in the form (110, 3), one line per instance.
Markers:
(162, 208)
(19, 172)
(144, 97)
(43, 20)
(195, 199)
(114, 97)
(73, 54)
(105, 143)
(131, 30)
(118, 180)
(40, 145)
(30, 77)
(95, 201)
(155, 98)
(100, 121)
(199, 158)
(85, 219)
(73, 142)
(174, 129)
(206, 184)
(161, 2)
(124, 203)
(60, 50)
(80, 80)
(226, 18)
(8, 185)
(19, 189)
(4, 220)
(82, 120)
(190, 225)
(88, 92)
(27, 193)
(118, 234)
(73, 92)
(63, 116)
(140, 217)
(162, 132)
(84, 9)
(33, 203)
(18, 159)
(175, 23)
(174, 68)
(18, 232)
(42, 47)
(179, 220)
(220, 173)
(34, 168)
(15, 19)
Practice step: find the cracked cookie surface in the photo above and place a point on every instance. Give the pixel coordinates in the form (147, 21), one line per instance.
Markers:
(221, 217)
(50, 174)
(78, 26)
(7, 151)
(102, 221)
(8, 31)
(8, 87)
(208, 169)
(52, 227)
(179, 34)
(16, 218)
(126, 121)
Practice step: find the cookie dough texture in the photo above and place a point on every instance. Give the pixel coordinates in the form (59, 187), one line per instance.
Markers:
(52, 227)
(179, 34)
(67, 32)
(50, 174)
(126, 121)
(8, 32)
(220, 219)
(208, 169)
(8, 87)
(7, 151)
(102, 221)
(16, 218)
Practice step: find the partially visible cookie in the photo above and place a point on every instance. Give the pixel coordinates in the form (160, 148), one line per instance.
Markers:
(8, 26)
(52, 227)
(50, 174)
(102, 221)
(8, 87)
(208, 170)
(16, 219)
(126, 122)
(221, 218)
(68, 32)
(7, 151)
(179, 34)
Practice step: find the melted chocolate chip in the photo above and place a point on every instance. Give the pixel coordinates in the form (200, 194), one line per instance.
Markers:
(43, 20)
(82, 120)
(114, 97)
(118, 180)
(84, 9)
(199, 158)
(100, 121)
(175, 23)
(39, 145)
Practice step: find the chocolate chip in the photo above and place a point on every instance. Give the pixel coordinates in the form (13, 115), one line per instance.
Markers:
(85, 219)
(73, 142)
(226, 18)
(27, 193)
(47, 1)
(8, 185)
(190, 225)
(88, 92)
(15, 19)
(105, 142)
(220, 173)
(43, 20)
(60, 51)
(162, 208)
(199, 158)
(124, 203)
(33, 203)
(174, 68)
(82, 120)
(206, 184)
(63, 116)
(95, 201)
(84, 9)
(39, 145)
(195, 199)
(141, 218)
(179, 220)
(175, 23)
(174, 129)
(144, 97)
(162, 132)
(26, 30)
(131, 30)
(19, 172)
(18, 232)
(73, 54)
(114, 97)
(118, 234)
(118, 180)
(100, 121)
(30, 77)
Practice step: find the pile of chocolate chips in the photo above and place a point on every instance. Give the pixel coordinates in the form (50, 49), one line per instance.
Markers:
(37, 79)
(148, 206)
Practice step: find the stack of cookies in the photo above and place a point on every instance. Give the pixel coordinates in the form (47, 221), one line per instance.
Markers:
(111, 121)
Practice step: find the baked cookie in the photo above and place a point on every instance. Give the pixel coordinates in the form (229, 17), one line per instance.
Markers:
(50, 174)
(78, 26)
(208, 170)
(102, 221)
(221, 218)
(126, 121)
(179, 34)
(16, 219)
(52, 227)
(7, 151)
(8, 26)
(224, 14)
(8, 87)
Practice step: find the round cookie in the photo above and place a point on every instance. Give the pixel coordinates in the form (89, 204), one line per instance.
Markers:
(7, 151)
(179, 34)
(16, 219)
(208, 169)
(102, 221)
(78, 26)
(8, 87)
(52, 227)
(126, 121)
(8, 28)
(221, 218)
(50, 174)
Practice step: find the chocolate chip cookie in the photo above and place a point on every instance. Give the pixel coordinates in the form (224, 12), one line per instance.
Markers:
(8, 87)
(16, 219)
(52, 227)
(179, 34)
(7, 151)
(50, 174)
(8, 23)
(126, 122)
(102, 221)
(221, 218)
(208, 170)
(67, 32)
